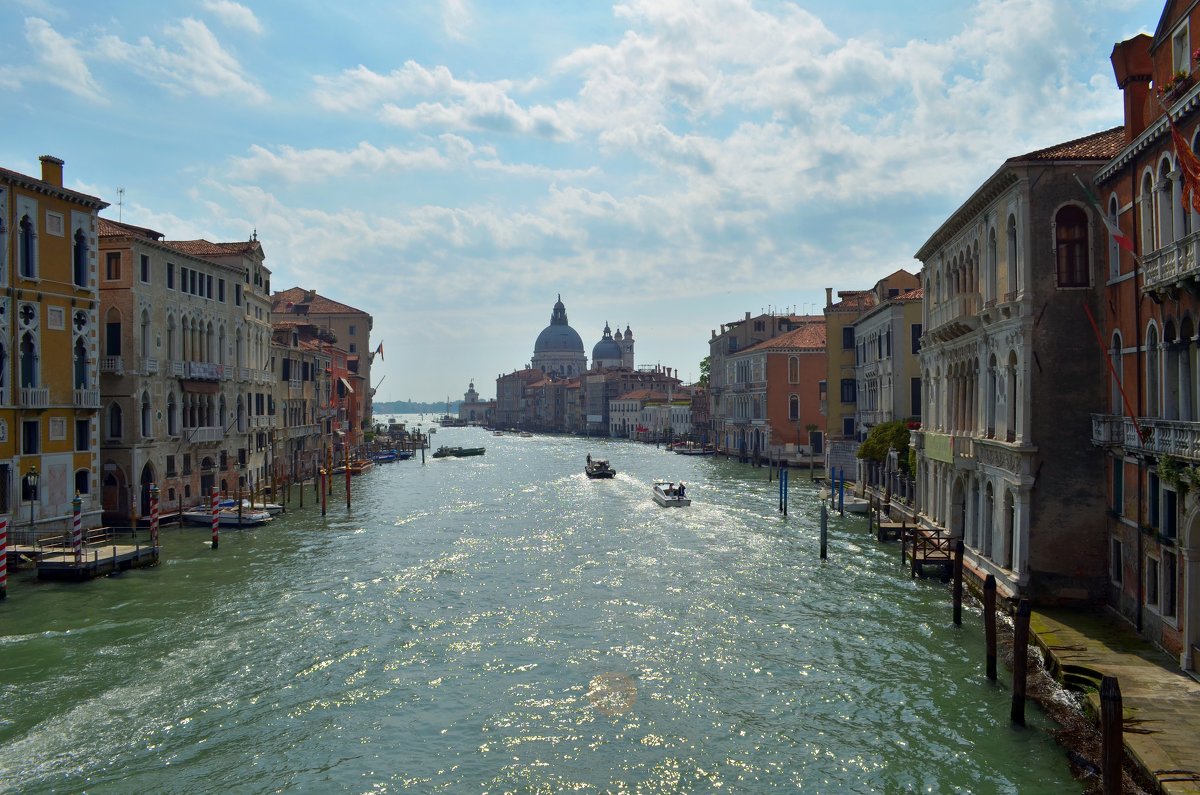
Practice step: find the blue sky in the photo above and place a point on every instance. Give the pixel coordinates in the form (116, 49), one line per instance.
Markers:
(451, 167)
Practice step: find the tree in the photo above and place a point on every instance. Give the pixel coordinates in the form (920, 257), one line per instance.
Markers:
(705, 363)
(884, 438)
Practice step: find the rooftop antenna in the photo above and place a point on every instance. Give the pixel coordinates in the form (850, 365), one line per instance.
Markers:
(120, 203)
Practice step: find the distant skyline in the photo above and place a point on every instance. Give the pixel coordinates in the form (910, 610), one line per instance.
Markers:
(451, 167)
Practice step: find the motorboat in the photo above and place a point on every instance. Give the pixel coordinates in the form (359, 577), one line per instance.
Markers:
(525, 435)
(360, 466)
(690, 448)
(457, 452)
(598, 468)
(228, 516)
(385, 456)
(668, 495)
(497, 433)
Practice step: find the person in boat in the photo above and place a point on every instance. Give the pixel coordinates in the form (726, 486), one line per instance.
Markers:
(589, 458)
(681, 488)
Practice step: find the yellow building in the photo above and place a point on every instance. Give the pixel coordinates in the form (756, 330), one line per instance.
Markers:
(49, 386)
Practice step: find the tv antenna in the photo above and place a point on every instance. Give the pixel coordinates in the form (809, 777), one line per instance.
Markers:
(120, 203)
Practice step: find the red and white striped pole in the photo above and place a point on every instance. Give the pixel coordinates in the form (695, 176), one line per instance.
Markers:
(76, 533)
(216, 507)
(154, 515)
(3, 556)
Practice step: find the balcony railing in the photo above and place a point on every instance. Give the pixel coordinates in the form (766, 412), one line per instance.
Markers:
(35, 397)
(175, 369)
(112, 364)
(243, 373)
(207, 371)
(87, 398)
(204, 434)
(148, 365)
(1159, 437)
(1171, 264)
(297, 431)
(955, 317)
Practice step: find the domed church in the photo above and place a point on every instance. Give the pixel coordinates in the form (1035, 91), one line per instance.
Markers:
(559, 349)
(613, 352)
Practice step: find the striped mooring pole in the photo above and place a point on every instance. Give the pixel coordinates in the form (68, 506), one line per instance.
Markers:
(216, 519)
(3, 556)
(154, 515)
(76, 531)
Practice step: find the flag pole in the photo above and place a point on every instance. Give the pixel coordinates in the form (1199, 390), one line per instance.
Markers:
(1113, 371)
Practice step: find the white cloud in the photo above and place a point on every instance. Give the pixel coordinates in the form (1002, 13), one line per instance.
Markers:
(234, 15)
(456, 19)
(59, 60)
(190, 61)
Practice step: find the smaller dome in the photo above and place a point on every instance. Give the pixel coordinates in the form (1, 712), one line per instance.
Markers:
(607, 348)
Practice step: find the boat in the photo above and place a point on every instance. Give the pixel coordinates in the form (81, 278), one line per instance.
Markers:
(457, 452)
(404, 455)
(385, 456)
(228, 516)
(497, 433)
(360, 466)
(598, 468)
(855, 505)
(526, 434)
(668, 495)
(690, 448)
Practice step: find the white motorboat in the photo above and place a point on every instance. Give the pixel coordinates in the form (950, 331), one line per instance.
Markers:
(272, 508)
(669, 495)
(227, 517)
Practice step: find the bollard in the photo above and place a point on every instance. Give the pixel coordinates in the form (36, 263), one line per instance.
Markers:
(842, 493)
(1112, 740)
(216, 518)
(824, 533)
(76, 533)
(3, 556)
(787, 477)
(154, 515)
(989, 623)
(959, 547)
(870, 514)
(347, 477)
(1020, 660)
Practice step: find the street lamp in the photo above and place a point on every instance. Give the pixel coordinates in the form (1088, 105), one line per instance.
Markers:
(32, 479)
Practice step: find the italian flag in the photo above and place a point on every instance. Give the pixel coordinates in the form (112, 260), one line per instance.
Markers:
(1122, 240)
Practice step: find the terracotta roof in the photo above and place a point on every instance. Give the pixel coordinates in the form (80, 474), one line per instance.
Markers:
(35, 184)
(643, 394)
(853, 300)
(110, 228)
(205, 248)
(285, 300)
(915, 294)
(1098, 146)
(810, 336)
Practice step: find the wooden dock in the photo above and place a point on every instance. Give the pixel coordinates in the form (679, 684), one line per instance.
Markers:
(102, 554)
(922, 547)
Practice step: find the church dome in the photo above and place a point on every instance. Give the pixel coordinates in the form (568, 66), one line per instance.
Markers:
(558, 336)
(607, 348)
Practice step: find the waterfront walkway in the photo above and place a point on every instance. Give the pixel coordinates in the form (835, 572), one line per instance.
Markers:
(1161, 703)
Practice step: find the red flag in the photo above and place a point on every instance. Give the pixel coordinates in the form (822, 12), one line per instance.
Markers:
(379, 351)
(1190, 196)
(1122, 240)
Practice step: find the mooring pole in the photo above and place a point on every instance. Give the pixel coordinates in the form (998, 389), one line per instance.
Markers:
(842, 493)
(324, 494)
(1112, 738)
(958, 584)
(154, 515)
(787, 478)
(216, 519)
(989, 623)
(3, 556)
(1020, 660)
(76, 531)
(347, 477)
(824, 533)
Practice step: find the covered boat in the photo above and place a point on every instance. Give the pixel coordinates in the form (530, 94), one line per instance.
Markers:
(598, 468)
(457, 452)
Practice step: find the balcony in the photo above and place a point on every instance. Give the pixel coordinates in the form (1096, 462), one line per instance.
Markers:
(243, 374)
(955, 317)
(112, 364)
(205, 371)
(175, 369)
(1158, 437)
(263, 421)
(148, 365)
(297, 431)
(87, 398)
(35, 397)
(1171, 266)
(204, 434)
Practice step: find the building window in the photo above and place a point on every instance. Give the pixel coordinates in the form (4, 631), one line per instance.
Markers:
(79, 259)
(171, 466)
(793, 369)
(237, 295)
(115, 424)
(793, 408)
(914, 396)
(1168, 593)
(83, 481)
(916, 338)
(1181, 53)
(170, 275)
(83, 435)
(847, 338)
(31, 437)
(1169, 527)
(1114, 250)
(1151, 581)
(221, 290)
(848, 427)
(353, 330)
(183, 280)
(144, 275)
(112, 265)
(27, 247)
(1154, 499)
(1118, 486)
(1071, 246)
(1116, 563)
(58, 429)
(849, 390)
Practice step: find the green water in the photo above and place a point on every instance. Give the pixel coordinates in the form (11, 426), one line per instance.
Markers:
(503, 624)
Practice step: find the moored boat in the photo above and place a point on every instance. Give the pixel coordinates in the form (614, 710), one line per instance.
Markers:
(668, 495)
(457, 452)
(691, 448)
(228, 517)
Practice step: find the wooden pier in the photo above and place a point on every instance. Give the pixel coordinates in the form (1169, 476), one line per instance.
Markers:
(103, 553)
(922, 547)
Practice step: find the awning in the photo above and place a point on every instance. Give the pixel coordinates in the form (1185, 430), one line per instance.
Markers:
(346, 384)
(200, 387)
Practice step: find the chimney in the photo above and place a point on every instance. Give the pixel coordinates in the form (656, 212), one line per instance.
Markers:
(51, 170)
(828, 297)
(1133, 69)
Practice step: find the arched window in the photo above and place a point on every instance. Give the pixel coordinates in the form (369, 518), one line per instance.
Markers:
(793, 369)
(1010, 381)
(144, 336)
(1071, 246)
(79, 259)
(793, 407)
(147, 416)
(81, 364)
(1117, 402)
(116, 427)
(991, 266)
(172, 415)
(29, 360)
(27, 243)
(1146, 211)
(1152, 372)
(1164, 204)
(170, 353)
(1010, 257)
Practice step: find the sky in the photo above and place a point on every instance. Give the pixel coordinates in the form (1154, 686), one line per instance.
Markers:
(452, 167)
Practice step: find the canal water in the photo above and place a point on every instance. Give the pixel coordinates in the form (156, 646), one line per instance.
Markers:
(504, 624)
